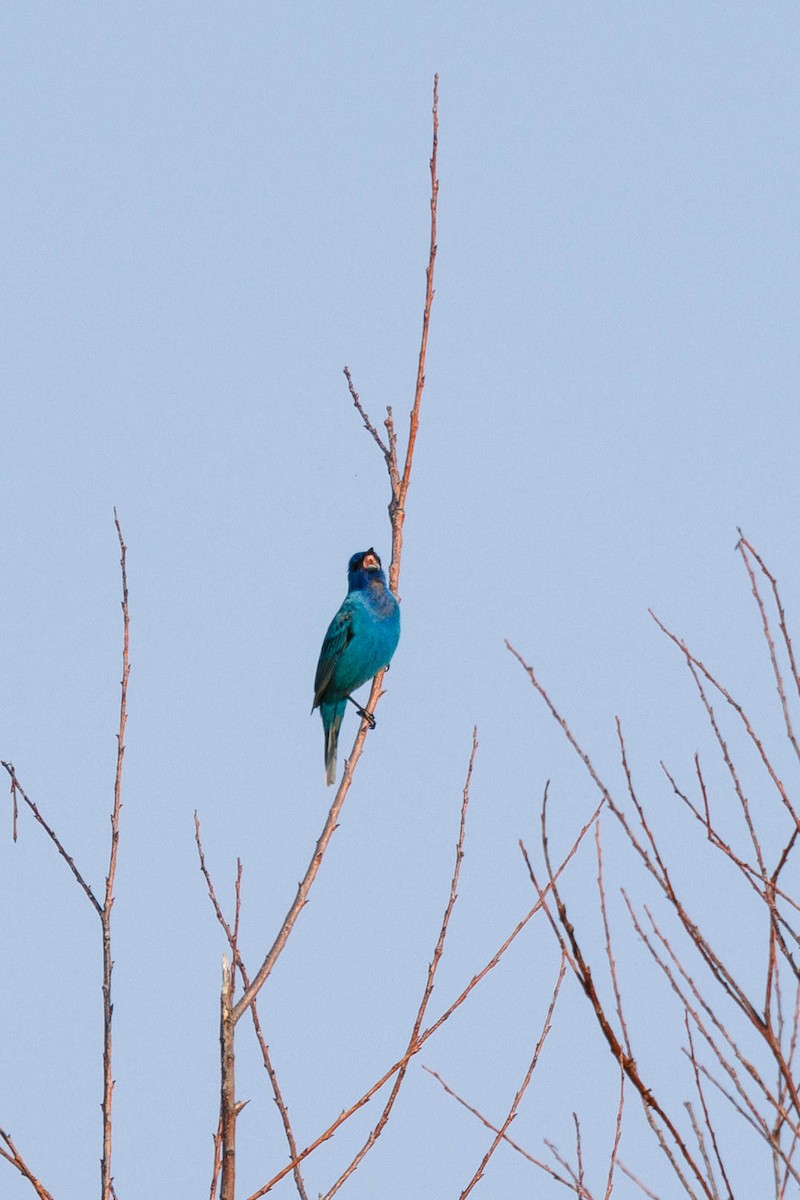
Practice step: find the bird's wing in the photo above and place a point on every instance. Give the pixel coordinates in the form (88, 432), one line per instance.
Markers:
(340, 631)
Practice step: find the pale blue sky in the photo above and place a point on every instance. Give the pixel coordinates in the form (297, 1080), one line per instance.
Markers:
(208, 210)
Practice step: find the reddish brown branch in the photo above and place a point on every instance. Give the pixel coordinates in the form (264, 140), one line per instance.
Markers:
(391, 459)
(108, 900)
(745, 549)
(11, 1154)
(232, 935)
(397, 506)
(397, 515)
(17, 789)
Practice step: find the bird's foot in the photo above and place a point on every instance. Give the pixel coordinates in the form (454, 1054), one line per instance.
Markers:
(367, 716)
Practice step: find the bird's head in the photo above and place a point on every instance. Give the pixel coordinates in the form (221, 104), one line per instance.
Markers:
(363, 568)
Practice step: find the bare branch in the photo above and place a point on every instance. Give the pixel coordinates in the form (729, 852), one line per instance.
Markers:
(13, 1156)
(398, 503)
(391, 460)
(431, 1029)
(437, 954)
(512, 1112)
(108, 901)
(232, 934)
(17, 789)
(614, 1160)
(228, 1109)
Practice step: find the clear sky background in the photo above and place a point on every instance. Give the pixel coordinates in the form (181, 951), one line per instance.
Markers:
(208, 210)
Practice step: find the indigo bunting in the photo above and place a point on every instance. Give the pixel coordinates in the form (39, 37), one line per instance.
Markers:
(360, 641)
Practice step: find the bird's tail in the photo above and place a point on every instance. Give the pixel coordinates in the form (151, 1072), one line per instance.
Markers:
(331, 720)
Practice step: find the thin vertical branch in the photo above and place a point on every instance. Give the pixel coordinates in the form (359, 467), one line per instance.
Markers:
(399, 482)
(437, 954)
(429, 294)
(212, 1194)
(397, 515)
(108, 901)
(743, 547)
(612, 1166)
(14, 806)
(232, 934)
(228, 1114)
(512, 1112)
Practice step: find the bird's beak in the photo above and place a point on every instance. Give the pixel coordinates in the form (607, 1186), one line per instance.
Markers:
(371, 563)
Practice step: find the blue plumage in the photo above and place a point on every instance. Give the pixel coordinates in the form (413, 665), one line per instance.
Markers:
(360, 641)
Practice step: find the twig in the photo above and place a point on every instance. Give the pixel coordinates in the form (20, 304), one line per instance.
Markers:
(698, 668)
(14, 805)
(744, 547)
(437, 954)
(612, 965)
(397, 506)
(617, 1135)
(228, 1113)
(706, 1117)
(583, 972)
(108, 901)
(391, 460)
(12, 1155)
(217, 1161)
(512, 1112)
(431, 1029)
(18, 789)
(232, 934)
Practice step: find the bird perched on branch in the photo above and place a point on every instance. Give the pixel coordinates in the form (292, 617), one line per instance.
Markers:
(360, 641)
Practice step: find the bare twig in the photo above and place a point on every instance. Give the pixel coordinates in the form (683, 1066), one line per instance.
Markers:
(18, 789)
(391, 459)
(512, 1112)
(745, 549)
(697, 669)
(228, 1114)
(706, 1118)
(11, 1154)
(437, 954)
(614, 1160)
(567, 938)
(14, 806)
(232, 934)
(212, 1195)
(431, 1029)
(108, 901)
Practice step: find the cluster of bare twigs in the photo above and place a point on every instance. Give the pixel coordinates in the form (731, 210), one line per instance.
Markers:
(740, 1047)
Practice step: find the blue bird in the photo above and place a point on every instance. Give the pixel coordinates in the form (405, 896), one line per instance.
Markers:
(360, 641)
